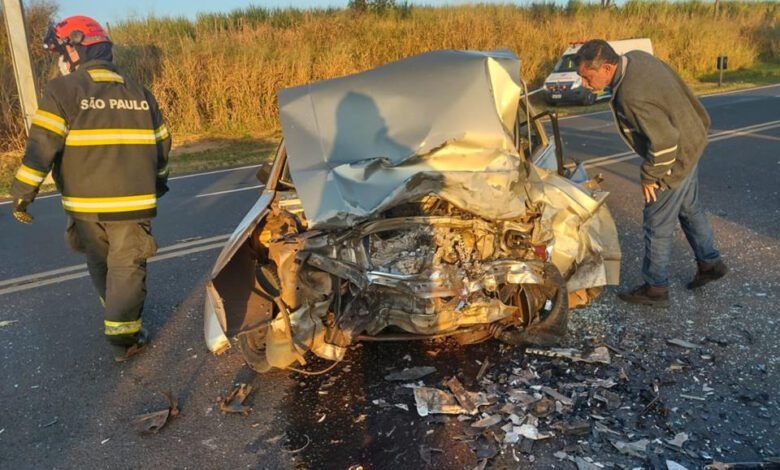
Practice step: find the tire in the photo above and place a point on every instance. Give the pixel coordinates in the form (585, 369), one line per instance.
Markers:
(552, 324)
(252, 346)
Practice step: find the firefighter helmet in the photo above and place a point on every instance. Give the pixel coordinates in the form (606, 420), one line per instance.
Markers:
(74, 31)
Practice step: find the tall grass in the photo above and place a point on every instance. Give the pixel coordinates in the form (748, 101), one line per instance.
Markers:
(219, 74)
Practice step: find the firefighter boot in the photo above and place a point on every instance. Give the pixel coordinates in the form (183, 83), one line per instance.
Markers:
(646, 295)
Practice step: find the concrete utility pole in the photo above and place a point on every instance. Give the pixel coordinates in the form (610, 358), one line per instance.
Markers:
(20, 55)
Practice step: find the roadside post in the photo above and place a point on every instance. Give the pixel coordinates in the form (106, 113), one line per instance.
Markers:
(20, 54)
(722, 64)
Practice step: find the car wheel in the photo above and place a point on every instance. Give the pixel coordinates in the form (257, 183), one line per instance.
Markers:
(550, 324)
(252, 346)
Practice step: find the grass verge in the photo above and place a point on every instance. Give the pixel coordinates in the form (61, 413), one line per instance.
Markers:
(194, 153)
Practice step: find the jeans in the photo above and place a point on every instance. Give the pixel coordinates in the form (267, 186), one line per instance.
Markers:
(660, 217)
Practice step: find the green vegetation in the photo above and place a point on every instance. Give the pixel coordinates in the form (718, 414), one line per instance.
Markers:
(219, 74)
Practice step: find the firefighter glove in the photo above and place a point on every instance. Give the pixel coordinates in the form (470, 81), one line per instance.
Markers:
(20, 211)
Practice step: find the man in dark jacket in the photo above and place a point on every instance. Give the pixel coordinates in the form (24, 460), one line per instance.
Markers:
(665, 124)
(104, 139)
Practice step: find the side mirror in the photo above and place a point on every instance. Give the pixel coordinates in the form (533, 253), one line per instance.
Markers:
(264, 172)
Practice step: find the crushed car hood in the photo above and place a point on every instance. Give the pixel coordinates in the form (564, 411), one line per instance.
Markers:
(436, 122)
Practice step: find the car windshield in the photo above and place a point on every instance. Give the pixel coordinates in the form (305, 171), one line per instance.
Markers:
(565, 64)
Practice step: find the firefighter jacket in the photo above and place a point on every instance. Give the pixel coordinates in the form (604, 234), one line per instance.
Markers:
(103, 137)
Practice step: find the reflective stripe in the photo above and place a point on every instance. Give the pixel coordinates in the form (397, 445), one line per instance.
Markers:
(665, 163)
(161, 133)
(114, 328)
(109, 204)
(663, 152)
(163, 171)
(50, 121)
(85, 137)
(104, 75)
(30, 176)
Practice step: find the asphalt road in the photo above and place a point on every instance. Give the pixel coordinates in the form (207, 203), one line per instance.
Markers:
(65, 404)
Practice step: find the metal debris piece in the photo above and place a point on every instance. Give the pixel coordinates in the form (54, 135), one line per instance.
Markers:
(522, 397)
(682, 343)
(152, 422)
(412, 373)
(487, 422)
(402, 406)
(511, 437)
(300, 449)
(770, 464)
(4, 323)
(692, 397)
(543, 408)
(672, 465)
(600, 354)
(460, 394)
(483, 369)
(434, 401)
(530, 431)
(234, 402)
(583, 464)
(635, 449)
(557, 396)
(679, 439)
(50, 423)
(573, 428)
(611, 399)
(561, 455)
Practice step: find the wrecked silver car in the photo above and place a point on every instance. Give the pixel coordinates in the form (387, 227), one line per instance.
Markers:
(419, 199)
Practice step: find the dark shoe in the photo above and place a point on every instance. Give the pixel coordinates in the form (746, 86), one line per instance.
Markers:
(646, 295)
(123, 353)
(708, 272)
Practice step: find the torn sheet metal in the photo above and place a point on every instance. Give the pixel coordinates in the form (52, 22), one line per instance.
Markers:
(357, 145)
(434, 401)
(152, 422)
(233, 403)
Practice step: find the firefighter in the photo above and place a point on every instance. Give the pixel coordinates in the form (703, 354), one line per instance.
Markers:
(102, 136)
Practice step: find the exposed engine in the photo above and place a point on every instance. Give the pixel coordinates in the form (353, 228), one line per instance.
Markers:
(421, 269)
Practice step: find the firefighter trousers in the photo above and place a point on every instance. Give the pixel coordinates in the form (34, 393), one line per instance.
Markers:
(116, 259)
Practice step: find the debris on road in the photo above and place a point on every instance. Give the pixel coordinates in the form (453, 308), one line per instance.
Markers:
(50, 423)
(4, 323)
(234, 402)
(434, 401)
(599, 354)
(152, 422)
(412, 373)
(683, 344)
(460, 394)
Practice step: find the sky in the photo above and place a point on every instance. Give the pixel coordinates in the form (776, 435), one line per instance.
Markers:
(118, 10)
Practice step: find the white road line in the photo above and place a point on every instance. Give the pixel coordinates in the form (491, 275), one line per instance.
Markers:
(715, 137)
(213, 172)
(193, 175)
(711, 95)
(230, 191)
(172, 248)
(57, 280)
